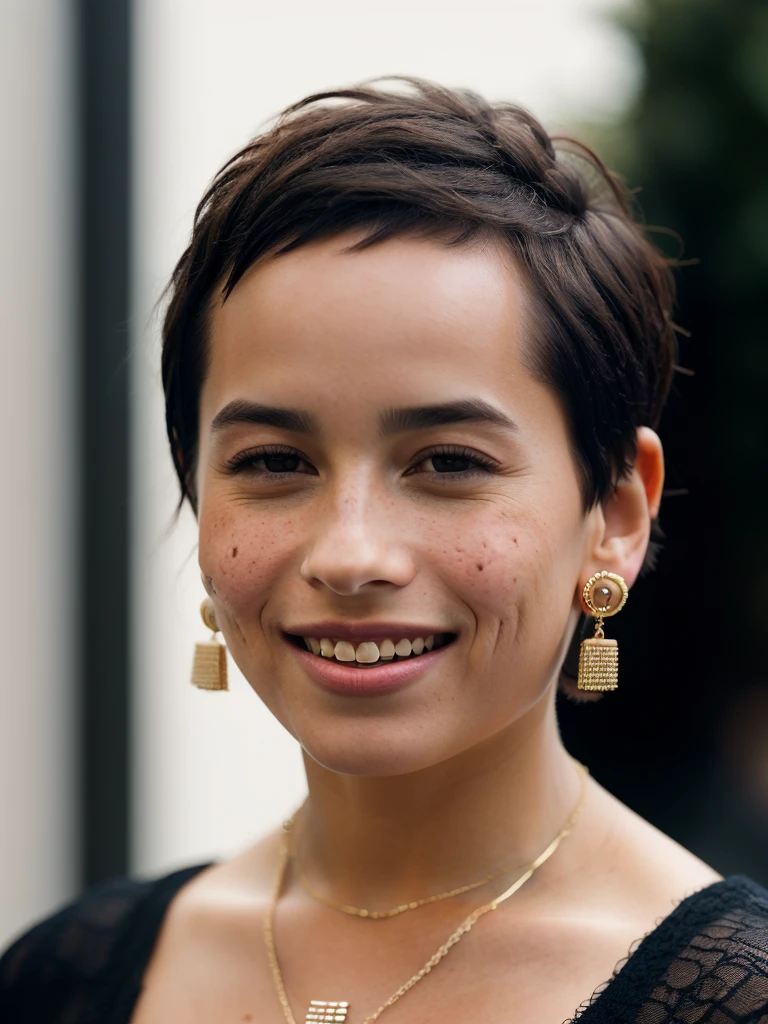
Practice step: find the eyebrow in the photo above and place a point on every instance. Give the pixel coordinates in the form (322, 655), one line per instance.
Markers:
(393, 421)
(468, 410)
(242, 411)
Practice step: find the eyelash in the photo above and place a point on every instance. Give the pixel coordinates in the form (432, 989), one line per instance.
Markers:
(248, 460)
(480, 463)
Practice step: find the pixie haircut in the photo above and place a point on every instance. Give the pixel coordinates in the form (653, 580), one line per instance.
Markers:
(444, 163)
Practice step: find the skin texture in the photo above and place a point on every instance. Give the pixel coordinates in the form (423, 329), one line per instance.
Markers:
(462, 771)
(499, 557)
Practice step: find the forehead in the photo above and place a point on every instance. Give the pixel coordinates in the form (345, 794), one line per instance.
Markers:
(408, 313)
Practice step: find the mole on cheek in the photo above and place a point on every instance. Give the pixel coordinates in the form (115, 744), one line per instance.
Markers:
(480, 567)
(234, 552)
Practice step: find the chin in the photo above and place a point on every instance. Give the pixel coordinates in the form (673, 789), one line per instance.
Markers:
(399, 745)
(374, 750)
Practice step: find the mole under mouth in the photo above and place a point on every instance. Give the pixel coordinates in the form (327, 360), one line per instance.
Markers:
(368, 653)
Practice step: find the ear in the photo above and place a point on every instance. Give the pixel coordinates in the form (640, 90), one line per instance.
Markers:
(623, 520)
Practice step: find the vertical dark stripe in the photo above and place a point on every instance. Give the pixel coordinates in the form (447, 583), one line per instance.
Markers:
(104, 98)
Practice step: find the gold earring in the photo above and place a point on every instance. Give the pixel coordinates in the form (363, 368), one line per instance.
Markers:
(209, 668)
(604, 594)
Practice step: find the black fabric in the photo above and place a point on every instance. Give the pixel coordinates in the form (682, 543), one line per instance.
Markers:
(84, 964)
(706, 962)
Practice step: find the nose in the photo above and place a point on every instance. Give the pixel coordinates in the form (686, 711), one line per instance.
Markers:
(357, 546)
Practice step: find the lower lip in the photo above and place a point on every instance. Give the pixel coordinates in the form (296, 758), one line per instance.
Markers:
(367, 682)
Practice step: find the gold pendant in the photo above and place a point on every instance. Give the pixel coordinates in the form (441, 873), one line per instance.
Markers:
(319, 1013)
(209, 669)
(598, 664)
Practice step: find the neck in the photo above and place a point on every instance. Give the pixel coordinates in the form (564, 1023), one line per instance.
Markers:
(382, 841)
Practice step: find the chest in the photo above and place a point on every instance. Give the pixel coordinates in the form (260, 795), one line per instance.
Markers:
(542, 974)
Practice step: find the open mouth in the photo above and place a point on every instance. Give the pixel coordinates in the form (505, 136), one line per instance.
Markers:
(370, 653)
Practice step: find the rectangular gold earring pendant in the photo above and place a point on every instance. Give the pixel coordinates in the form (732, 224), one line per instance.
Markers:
(598, 664)
(209, 668)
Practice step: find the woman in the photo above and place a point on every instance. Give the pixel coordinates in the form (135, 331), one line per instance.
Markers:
(413, 360)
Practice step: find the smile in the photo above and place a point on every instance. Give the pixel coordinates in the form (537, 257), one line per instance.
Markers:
(370, 653)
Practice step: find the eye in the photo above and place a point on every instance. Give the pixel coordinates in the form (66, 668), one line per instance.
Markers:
(450, 463)
(453, 460)
(270, 460)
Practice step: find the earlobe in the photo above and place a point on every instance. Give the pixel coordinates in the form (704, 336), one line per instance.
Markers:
(627, 513)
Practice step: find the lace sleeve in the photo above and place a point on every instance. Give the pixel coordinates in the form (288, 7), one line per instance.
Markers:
(722, 974)
(706, 962)
(47, 975)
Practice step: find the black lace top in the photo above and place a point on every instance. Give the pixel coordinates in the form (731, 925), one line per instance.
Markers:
(706, 962)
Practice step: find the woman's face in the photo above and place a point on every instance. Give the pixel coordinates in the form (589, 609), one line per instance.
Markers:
(378, 464)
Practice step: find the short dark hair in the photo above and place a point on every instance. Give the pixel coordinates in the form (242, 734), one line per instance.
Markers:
(440, 161)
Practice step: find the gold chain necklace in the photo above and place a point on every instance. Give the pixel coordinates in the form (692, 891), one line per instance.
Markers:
(326, 1012)
(379, 915)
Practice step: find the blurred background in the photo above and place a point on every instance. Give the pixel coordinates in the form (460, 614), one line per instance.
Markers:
(115, 115)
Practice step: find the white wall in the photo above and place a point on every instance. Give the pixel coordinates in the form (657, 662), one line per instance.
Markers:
(213, 770)
(37, 471)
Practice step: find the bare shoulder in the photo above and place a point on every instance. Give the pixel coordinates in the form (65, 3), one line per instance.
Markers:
(218, 910)
(616, 879)
(644, 866)
(205, 964)
(239, 885)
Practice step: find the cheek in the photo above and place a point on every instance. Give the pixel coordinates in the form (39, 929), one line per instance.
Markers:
(243, 554)
(484, 565)
(516, 568)
(486, 556)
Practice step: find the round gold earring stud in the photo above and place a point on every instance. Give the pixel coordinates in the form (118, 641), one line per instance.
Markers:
(605, 594)
(208, 615)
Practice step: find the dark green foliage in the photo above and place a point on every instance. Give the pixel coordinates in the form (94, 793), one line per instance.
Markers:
(698, 146)
(689, 754)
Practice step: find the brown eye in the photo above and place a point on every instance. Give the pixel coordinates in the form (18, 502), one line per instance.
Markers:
(451, 463)
(272, 461)
(281, 463)
(453, 460)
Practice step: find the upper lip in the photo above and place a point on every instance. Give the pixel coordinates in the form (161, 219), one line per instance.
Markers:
(364, 630)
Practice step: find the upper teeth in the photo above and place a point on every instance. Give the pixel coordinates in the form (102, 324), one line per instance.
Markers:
(367, 652)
